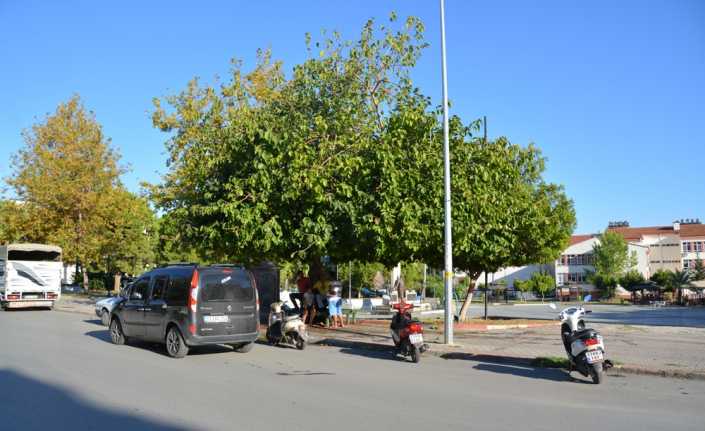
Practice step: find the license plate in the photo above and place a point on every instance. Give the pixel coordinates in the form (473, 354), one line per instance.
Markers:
(30, 297)
(415, 338)
(216, 319)
(594, 356)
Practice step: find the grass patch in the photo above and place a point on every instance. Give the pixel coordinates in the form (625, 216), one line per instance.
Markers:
(550, 362)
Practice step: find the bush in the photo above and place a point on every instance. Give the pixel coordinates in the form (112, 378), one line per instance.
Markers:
(96, 284)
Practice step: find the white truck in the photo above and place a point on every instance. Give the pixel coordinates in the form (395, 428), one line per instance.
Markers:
(30, 275)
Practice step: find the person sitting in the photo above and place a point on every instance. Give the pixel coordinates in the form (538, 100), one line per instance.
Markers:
(303, 283)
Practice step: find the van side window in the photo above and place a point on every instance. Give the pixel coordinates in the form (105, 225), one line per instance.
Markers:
(159, 287)
(140, 289)
(177, 291)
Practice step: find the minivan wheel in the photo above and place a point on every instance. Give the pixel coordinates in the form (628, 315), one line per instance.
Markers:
(116, 334)
(175, 345)
(105, 317)
(243, 348)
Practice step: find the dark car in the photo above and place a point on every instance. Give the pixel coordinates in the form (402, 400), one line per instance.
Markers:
(188, 305)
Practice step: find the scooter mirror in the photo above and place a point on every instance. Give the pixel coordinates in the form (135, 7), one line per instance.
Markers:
(552, 306)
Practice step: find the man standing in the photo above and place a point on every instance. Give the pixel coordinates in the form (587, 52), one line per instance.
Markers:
(303, 284)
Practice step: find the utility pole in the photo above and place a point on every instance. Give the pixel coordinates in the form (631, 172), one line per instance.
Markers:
(486, 294)
(484, 126)
(423, 291)
(448, 272)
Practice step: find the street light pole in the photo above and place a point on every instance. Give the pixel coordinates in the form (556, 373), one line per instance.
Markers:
(448, 272)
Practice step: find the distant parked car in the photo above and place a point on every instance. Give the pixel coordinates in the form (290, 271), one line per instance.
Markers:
(183, 306)
(70, 288)
(105, 306)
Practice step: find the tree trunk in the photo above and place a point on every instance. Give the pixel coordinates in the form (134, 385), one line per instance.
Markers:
(85, 279)
(316, 271)
(116, 282)
(462, 316)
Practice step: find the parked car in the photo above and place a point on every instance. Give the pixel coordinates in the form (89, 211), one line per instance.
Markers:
(183, 306)
(104, 307)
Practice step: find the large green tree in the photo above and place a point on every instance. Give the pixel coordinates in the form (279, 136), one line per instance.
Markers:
(344, 158)
(505, 213)
(269, 166)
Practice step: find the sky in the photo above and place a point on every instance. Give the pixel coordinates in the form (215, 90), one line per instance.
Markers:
(612, 92)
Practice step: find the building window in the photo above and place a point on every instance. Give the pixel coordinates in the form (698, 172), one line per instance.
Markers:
(698, 246)
(576, 277)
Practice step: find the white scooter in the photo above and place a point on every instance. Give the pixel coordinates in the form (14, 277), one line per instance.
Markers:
(585, 347)
(286, 326)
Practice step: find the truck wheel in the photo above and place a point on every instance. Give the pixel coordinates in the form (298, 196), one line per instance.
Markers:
(105, 317)
(116, 335)
(597, 373)
(175, 345)
(243, 348)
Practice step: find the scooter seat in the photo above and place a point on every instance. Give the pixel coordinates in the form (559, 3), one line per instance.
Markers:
(583, 334)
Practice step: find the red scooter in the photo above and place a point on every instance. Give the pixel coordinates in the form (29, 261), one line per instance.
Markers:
(407, 333)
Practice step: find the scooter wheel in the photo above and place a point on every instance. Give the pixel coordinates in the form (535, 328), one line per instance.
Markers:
(597, 373)
(300, 343)
(415, 354)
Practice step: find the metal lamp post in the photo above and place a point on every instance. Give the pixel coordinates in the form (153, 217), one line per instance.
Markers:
(448, 272)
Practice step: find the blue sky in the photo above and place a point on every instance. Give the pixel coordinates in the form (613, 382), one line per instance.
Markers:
(612, 92)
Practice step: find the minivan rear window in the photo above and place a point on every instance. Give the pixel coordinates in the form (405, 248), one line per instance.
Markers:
(227, 286)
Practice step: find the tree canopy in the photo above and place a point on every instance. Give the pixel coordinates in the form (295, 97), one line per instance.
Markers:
(343, 157)
(612, 260)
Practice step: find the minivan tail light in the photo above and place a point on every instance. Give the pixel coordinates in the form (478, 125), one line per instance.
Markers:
(193, 292)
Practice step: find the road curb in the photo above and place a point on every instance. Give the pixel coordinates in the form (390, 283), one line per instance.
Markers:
(673, 374)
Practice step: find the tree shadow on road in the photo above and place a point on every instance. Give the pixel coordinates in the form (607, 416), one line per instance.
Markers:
(60, 409)
(512, 365)
(361, 348)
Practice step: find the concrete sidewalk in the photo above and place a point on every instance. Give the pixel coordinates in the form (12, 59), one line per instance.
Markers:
(667, 351)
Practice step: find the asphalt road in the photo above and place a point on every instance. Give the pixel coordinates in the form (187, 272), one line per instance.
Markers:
(59, 371)
(693, 317)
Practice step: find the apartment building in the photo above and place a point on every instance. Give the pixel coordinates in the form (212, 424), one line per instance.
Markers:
(572, 268)
(674, 247)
